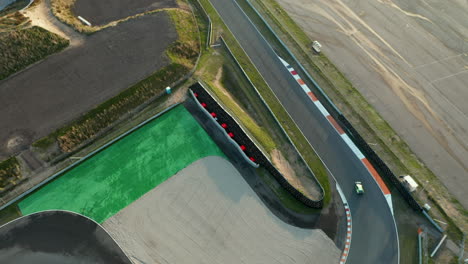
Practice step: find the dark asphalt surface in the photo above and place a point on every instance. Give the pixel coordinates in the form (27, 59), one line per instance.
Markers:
(57, 237)
(48, 95)
(105, 11)
(374, 238)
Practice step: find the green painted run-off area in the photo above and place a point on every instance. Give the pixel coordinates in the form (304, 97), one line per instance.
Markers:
(123, 172)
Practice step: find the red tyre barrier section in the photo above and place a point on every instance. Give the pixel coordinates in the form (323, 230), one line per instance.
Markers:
(246, 145)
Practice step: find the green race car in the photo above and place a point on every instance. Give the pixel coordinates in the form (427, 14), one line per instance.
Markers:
(359, 188)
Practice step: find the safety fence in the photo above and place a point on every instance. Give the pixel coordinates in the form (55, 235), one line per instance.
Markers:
(246, 144)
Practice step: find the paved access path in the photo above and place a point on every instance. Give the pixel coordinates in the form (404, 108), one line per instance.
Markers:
(48, 95)
(207, 213)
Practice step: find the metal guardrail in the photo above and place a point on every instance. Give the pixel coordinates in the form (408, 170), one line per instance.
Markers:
(437, 226)
(210, 25)
(420, 255)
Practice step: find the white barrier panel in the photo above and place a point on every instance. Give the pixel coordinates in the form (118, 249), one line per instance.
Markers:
(86, 22)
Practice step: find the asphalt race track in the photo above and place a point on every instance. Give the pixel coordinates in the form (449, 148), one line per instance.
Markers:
(374, 237)
(57, 237)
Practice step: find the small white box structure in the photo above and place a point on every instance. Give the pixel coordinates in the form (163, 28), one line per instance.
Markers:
(86, 22)
(427, 207)
(410, 184)
(168, 90)
(316, 46)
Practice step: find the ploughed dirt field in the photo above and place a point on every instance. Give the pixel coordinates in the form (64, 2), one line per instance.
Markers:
(410, 60)
(57, 237)
(207, 213)
(44, 97)
(105, 11)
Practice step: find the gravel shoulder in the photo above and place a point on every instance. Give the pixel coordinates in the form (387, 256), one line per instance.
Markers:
(207, 213)
(409, 61)
(43, 98)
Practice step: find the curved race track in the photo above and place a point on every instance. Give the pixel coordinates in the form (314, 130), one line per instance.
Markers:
(57, 237)
(374, 237)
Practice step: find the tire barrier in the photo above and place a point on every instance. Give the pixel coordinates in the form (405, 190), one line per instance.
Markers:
(377, 162)
(224, 128)
(245, 143)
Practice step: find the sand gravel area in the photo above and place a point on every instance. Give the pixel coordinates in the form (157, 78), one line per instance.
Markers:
(207, 213)
(105, 11)
(410, 60)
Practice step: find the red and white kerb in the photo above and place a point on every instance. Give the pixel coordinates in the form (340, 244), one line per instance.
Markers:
(345, 253)
(341, 132)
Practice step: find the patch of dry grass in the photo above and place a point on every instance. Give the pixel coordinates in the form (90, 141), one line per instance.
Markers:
(13, 21)
(9, 172)
(214, 73)
(20, 48)
(187, 47)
